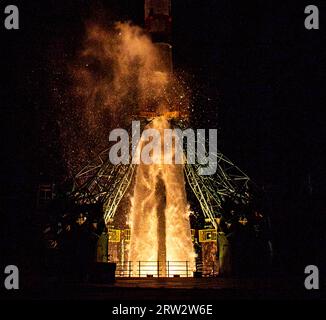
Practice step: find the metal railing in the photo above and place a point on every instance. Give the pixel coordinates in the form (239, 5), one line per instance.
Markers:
(157, 269)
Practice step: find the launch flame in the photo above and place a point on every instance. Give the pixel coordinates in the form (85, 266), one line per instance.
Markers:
(159, 215)
(120, 73)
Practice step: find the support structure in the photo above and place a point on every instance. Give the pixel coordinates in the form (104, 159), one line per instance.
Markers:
(105, 183)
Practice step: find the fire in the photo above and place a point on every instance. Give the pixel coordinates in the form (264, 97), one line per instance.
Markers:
(120, 73)
(159, 216)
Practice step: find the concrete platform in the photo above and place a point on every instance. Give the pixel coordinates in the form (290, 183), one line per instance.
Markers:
(174, 289)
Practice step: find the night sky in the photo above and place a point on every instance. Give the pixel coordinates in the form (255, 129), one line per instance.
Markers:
(261, 77)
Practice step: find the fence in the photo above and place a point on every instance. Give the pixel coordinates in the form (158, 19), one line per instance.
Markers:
(154, 269)
(157, 269)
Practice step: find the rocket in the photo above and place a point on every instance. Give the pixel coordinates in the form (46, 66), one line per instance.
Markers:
(158, 19)
(158, 23)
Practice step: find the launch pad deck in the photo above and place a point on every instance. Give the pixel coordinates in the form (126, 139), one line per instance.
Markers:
(175, 289)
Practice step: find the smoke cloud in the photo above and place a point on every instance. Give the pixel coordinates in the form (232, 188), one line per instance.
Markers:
(117, 73)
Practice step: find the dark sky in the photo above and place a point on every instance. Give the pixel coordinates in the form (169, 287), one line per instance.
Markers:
(265, 76)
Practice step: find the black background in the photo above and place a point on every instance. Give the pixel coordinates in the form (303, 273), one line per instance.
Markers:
(262, 70)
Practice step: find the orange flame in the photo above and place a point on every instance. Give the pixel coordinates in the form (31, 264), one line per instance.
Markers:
(120, 73)
(159, 216)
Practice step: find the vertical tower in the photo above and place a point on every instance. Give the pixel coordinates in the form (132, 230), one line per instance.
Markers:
(158, 22)
(158, 19)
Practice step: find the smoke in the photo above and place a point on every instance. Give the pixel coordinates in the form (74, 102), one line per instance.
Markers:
(120, 71)
(117, 73)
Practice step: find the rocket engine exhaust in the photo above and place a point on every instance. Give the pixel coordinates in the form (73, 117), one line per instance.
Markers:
(159, 215)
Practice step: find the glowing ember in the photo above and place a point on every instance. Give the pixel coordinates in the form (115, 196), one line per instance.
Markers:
(159, 216)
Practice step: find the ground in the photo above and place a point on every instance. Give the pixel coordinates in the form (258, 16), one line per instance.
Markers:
(163, 289)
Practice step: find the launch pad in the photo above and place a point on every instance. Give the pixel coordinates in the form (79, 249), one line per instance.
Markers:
(161, 219)
(103, 182)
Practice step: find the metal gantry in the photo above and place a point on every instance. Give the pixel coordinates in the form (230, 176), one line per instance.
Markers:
(105, 183)
(212, 190)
